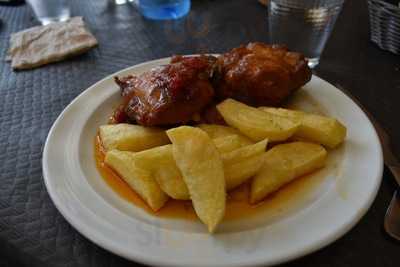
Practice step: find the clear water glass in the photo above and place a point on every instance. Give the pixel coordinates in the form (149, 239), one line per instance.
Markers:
(303, 25)
(123, 2)
(48, 11)
(164, 9)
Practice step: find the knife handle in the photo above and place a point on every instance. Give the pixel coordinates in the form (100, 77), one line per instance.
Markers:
(396, 173)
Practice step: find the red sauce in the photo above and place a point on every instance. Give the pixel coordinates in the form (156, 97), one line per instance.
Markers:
(119, 116)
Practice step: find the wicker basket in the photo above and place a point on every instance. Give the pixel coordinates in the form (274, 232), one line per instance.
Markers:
(385, 25)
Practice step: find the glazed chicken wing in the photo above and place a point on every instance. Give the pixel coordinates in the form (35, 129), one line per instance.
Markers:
(260, 74)
(169, 94)
(256, 74)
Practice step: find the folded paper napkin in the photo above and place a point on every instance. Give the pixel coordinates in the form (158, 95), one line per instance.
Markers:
(41, 45)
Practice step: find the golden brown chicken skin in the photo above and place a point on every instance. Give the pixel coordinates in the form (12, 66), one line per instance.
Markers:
(169, 94)
(260, 74)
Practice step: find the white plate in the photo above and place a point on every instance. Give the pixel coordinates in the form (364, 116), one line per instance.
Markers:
(349, 185)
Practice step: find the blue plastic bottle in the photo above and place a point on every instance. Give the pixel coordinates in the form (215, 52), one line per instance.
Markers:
(164, 9)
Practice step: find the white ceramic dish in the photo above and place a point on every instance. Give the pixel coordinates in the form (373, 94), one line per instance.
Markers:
(349, 186)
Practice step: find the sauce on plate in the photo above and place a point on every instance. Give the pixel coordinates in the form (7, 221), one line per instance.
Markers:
(237, 205)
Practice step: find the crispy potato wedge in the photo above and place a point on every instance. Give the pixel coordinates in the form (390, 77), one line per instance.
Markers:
(161, 163)
(243, 163)
(282, 164)
(239, 165)
(227, 143)
(216, 131)
(201, 166)
(141, 180)
(256, 124)
(323, 130)
(245, 152)
(239, 172)
(128, 137)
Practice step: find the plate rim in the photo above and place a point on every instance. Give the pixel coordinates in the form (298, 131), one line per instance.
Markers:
(333, 236)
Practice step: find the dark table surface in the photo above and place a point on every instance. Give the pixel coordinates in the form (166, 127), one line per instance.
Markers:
(32, 231)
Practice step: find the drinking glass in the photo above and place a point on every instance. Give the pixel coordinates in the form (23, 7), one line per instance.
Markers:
(122, 2)
(303, 25)
(164, 9)
(48, 11)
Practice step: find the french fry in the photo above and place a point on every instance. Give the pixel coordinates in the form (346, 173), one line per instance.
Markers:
(160, 162)
(128, 137)
(239, 165)
(245, 152)
(202, 170)
(282, 164)
(139, 179)
(227, 143)
(243, 163)
(256, 124)
(238, 173)
(323, 130)
(216, 131)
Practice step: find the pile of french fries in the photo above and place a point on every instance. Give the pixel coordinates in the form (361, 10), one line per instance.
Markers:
(203, 163)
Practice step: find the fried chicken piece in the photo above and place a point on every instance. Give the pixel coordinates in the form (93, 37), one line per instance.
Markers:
(260, 74)
(169, 94)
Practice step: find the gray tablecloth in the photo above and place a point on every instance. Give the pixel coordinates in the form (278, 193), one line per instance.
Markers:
(32, 231)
